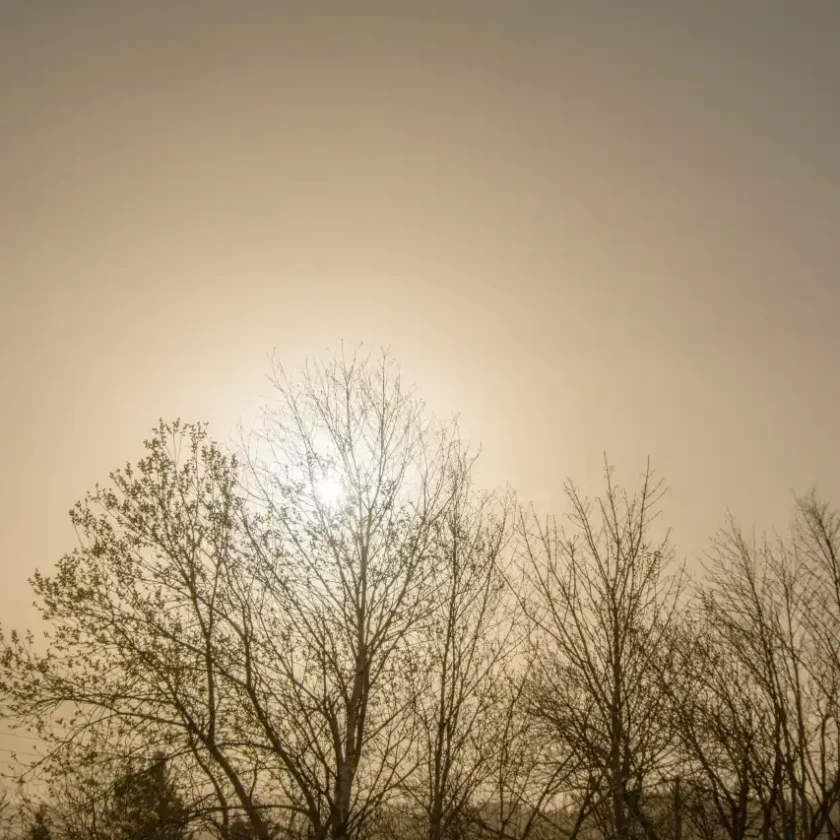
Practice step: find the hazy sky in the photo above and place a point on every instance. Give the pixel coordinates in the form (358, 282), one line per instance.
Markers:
(585, 227)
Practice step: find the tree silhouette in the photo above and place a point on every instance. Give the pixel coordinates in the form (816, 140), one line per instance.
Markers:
(40, 827)
(602, 610)
(145, 805)
(332, 635)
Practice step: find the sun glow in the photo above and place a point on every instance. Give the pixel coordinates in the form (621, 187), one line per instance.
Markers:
(330, 492)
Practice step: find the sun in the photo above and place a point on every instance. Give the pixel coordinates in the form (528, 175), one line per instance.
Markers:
(330, 492)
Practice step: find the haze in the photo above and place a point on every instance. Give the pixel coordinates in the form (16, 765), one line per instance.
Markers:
(585, 227)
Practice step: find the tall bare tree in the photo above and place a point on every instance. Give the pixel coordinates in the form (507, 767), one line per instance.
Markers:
(602, 609)
(771, 702)
(356, 485)
(472, 634)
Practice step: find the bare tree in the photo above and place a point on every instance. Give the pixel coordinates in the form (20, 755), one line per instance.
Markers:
(721, 730)
(471, 635)
(356, 485)
(527, 793)
(602, 610)
(772, 741)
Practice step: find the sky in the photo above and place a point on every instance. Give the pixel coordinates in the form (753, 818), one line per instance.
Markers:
(584, 227)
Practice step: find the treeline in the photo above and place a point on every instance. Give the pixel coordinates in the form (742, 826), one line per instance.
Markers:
(332, 633)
